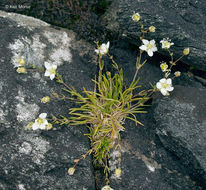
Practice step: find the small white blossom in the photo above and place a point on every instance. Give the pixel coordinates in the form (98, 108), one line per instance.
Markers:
(103, 49)
(166, 43)
(165, 86)
(148, 46)
(41, 122)
(136, 17)
(50, 70)
(107, 187)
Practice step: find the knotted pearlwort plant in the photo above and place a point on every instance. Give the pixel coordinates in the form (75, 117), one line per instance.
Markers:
(105, 109)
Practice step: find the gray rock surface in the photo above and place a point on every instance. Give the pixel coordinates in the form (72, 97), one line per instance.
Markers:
(40, 159)
(183, 21)
(146, 164)
(181, 127)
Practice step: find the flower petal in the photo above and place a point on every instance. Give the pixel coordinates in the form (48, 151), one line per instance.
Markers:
(170, 88)
(159, 85)
(43, 115)
(163, 80)
(150, 52)
(47, 73)
(108, 43)
(163, 91)
(145, 42)
(152, 42)
(35, 126)
(47, 65)
(54, 66)
(52, 76)
(143, 47)
(169, 81)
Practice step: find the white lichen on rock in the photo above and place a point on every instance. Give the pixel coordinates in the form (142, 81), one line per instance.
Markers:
(31, 50)
(40, 147)
(62, 43)
(25, 148)
(21, 187)
(25, 112)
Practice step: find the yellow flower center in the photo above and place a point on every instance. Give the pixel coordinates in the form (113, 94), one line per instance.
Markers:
(167, 44)
(52, 71)
(21, 61)
(45, 99)
(149, 46)
(40, 121)
(165, 85)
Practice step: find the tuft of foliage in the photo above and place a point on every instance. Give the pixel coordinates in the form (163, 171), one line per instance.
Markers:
(105, 110)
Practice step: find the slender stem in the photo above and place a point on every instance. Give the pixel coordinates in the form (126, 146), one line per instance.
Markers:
(137, 65)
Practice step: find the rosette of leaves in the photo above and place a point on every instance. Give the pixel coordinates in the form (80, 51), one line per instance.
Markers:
(104, 112)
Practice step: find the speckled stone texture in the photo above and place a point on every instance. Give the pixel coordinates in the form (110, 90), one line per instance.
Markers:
(183, 21)
(181, 127)
(40, 159)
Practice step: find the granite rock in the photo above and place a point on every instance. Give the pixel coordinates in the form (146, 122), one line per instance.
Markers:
(183, 21)
(40, 159)
(181, 127)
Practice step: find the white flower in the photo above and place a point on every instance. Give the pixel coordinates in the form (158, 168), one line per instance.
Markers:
(41, 122)
(136, 17)
(148, 46)
(50, 70)
(103, 49)
(166, 43)
(107, 187)
(165, 86)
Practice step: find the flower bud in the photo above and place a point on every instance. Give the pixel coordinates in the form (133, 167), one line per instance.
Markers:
(118, 172)
(177, 73)
(21, 70)
(49, 126)
(71, 171)
(186, 51)
(45, 99)
(164, 66)
(152, 28)
(107, 187)
(136, 17)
